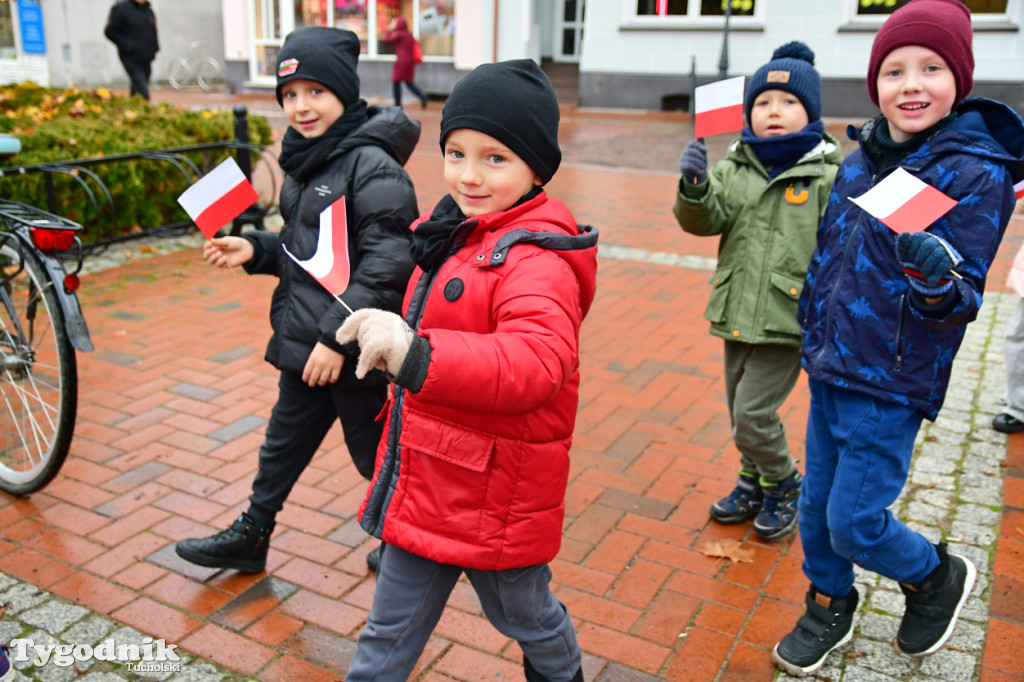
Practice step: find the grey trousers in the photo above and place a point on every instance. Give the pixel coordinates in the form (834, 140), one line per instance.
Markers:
(1013, 352)
(758, 378)
(412, 592)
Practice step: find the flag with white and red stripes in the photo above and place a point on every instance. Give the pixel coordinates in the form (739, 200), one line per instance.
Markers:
(905, 203)
(218, 197)
(1018, 190)
(718, 107)
(329, 265)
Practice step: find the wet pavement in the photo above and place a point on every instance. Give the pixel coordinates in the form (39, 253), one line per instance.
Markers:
(174, 400)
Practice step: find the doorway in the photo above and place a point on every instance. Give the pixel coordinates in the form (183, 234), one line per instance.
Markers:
(569, 15)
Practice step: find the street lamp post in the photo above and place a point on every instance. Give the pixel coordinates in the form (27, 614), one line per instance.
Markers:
(723, 61)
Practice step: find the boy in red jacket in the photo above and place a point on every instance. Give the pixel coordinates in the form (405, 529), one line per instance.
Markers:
(472, 469)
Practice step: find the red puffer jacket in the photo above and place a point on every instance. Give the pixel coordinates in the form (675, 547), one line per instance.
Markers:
(473, 467)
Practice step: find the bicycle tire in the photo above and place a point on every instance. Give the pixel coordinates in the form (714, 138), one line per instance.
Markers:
(38, 375)
(207, 72)
(180, 74)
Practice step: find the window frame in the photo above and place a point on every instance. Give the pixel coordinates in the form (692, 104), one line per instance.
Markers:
(977, 20)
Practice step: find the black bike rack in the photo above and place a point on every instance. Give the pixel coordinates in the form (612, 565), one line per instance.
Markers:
(81, 171)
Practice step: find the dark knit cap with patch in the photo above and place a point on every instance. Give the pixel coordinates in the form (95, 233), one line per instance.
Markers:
(514, 103)
(791, 70)
(943, 26)
(326, 55)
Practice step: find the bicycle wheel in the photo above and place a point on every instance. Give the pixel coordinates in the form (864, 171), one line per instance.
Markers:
(181, 73)
(207, 73)
(38, 376)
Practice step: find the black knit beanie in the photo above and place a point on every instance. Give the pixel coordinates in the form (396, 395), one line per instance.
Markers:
(326, 55)
(790, 70)
(514, 103)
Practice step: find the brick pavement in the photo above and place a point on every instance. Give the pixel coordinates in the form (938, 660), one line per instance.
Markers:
(174, 399)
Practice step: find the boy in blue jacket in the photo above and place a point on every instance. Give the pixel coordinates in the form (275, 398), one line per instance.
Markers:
(884, 317)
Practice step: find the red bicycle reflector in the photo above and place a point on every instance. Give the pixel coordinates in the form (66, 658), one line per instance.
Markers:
(71, 282)
(47, 239)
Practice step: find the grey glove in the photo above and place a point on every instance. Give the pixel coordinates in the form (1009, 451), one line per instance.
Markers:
(693, 162)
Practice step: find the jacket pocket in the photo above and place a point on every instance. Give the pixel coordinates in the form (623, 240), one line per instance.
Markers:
(715, 312)
(453, 443)
(783, 300)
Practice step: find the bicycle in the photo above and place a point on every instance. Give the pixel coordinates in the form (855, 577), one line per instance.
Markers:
(195, 65)
(41, 327)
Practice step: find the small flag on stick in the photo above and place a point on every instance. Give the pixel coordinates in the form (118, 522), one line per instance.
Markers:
(1018, 190)
(905, 203)
(218, 197)
(718, 107)
(329, 264)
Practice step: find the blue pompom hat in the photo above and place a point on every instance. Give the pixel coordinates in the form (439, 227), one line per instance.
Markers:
(792, 70)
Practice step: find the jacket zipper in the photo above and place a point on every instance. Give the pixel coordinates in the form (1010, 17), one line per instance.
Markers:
(898, 341)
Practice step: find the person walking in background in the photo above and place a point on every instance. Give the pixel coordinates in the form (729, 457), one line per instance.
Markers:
(335, 147)
(471, 474)
(131, 26)
(404, 70)
(1012, 418)
(884, 316)
(764, 200)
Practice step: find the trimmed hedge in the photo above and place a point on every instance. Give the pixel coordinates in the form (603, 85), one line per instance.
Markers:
(60, 125)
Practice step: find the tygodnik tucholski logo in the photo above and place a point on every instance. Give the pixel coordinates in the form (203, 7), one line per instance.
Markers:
(151, 656)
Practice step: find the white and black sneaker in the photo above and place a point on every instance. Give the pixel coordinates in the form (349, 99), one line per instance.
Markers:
(826, 625)
(934, 604)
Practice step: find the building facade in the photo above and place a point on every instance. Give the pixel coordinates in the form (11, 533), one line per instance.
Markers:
(644, 54)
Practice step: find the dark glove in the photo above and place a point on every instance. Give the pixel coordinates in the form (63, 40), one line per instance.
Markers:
(927, 260)
(693, 162)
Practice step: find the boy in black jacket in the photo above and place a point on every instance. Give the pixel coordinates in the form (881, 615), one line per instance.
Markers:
(335, 147)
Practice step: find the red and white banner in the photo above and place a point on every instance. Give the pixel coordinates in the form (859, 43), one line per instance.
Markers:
(905, 203)
(718, 107)
(329, 264)
(218, 197)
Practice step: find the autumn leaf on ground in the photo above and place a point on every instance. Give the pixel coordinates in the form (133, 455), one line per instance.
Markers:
(728, 549)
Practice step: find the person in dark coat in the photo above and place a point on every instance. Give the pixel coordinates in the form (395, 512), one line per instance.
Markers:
(404, 70)
(131, 25)
(335, 148)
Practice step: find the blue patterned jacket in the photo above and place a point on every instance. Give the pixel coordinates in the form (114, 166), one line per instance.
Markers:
(862, 329)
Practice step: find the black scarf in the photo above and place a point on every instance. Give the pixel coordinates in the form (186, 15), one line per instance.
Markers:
(300, 155)
(432, 239)
(886, 152)
(780, 153)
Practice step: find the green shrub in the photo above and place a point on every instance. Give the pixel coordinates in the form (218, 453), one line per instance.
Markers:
(55, 125)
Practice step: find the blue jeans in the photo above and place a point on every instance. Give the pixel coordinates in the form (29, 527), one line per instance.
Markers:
(858, 458)
(411, 595)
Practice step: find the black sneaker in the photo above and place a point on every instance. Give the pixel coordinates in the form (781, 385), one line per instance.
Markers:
(933, 605)
(778, 514)
(373, 558)
(242, 547)
(1007, 423)
(743, 503)
(826, 625)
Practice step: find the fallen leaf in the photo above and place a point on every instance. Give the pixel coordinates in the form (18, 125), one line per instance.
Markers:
(728, 549)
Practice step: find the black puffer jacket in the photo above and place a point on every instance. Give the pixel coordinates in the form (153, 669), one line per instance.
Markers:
(132, 27)
(365, 168)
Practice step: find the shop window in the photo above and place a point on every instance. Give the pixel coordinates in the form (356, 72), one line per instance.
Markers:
(866, 8)
(437, 27)
(694, 9)
(351, 16)
(7, 47)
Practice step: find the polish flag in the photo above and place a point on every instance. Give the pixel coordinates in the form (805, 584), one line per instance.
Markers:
(1018, 190)
(905, 203)
(329, 265)
(662, 8)
(218, 197)
(718, 107)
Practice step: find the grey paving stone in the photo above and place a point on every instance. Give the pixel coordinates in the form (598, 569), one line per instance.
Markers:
(54, 616)
(878, 657)
(946, 664)
(91, 631)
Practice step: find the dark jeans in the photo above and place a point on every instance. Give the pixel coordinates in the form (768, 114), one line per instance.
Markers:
(138, 74)
(397, 86)
(298, 424)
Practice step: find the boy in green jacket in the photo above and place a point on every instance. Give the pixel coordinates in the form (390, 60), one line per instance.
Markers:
(765, 199)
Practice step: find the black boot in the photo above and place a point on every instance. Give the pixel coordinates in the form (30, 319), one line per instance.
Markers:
(934, 603)
(242, 547)
(533, 676)
(826, 625)
(373, 558)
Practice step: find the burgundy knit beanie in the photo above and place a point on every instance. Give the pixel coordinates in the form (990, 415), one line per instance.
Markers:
(943, 26)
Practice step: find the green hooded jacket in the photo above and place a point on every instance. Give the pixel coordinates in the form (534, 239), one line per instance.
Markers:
(768, 232)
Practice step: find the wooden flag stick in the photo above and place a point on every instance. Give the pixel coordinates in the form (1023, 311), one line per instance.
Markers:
(952, 272)
(344, 304)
